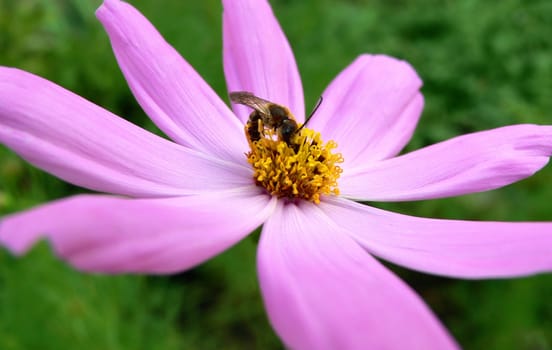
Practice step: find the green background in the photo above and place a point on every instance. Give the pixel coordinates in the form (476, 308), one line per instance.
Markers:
(484, 64)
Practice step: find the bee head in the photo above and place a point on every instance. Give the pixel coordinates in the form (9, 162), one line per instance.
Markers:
(286, 130)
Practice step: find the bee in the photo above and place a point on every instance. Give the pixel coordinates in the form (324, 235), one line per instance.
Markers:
(271, 114)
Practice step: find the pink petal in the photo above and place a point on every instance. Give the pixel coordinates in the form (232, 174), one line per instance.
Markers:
(84, 144)
(454, 248)
(323, 291)
(466, 164)
(169, 90)
(370, 109)
(258, 58)
(114, 235)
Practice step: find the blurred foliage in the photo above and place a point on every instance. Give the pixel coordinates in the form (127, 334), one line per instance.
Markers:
(484, 65)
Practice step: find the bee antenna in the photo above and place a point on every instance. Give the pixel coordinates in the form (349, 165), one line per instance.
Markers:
(312, 113)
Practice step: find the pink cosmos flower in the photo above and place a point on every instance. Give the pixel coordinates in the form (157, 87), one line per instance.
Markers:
(181, 203)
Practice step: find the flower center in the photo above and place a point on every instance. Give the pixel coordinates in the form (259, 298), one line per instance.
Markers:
(292, 164)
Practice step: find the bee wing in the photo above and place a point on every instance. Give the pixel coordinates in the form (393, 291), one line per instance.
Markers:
(250, 100)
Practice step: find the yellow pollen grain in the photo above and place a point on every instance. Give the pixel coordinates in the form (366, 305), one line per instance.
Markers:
(306, 168)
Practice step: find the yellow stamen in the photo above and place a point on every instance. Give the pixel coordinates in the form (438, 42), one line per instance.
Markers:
(305, 168)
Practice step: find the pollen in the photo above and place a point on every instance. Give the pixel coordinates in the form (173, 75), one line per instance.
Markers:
(303, 168)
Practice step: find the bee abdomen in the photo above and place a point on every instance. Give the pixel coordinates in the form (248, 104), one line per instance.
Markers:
(253, 127)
